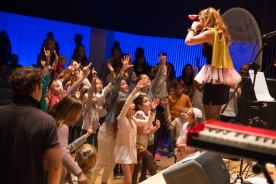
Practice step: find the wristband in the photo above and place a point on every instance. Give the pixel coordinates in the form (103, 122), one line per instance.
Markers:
(122, 73)
(191, 29)
(152, 110)
(48, 65)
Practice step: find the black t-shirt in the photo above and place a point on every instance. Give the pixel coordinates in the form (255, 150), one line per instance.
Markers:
(207, 51)
(26, 132)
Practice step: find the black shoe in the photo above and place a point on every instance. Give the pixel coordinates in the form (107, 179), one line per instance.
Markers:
(141, 179)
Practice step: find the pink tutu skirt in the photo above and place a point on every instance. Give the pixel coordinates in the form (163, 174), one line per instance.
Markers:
(226, 76)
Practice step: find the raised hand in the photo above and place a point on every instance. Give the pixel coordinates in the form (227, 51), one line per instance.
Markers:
(56, 58)
(86, 71)
(111, 69)
(154, 103)
(94, 73)
(89, 131)
(141, 84)
(157, 123)
(196, 26)
(125, 63)
(43, 63)
(130, 58)
(47, 54)
(56, 61)
(162, 59)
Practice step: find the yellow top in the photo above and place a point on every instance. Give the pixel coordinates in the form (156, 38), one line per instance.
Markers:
(221, 57)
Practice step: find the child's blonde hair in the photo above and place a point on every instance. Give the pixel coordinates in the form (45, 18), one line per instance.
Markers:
(196, 115)
(183, 109)
(86, 157)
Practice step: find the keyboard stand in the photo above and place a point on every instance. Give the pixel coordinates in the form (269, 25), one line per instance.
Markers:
(260, 167)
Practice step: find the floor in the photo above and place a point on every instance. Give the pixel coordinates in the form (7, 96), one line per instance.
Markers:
(232, 165)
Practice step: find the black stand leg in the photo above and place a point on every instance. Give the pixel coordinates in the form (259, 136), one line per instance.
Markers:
(259, 167)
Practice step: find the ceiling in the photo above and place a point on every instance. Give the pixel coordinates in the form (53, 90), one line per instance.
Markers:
(166, 18)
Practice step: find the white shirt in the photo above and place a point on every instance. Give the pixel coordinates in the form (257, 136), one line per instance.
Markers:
(178, 124)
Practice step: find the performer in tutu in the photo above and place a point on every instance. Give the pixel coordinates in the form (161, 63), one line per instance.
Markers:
(219, 73)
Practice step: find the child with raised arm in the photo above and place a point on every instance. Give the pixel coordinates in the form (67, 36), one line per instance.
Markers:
(192, 117)
(143, 107)
(106, 141)
(101, 92)
(90, 113)
(125, 129)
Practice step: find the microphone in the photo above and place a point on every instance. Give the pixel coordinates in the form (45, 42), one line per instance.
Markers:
(268, 35)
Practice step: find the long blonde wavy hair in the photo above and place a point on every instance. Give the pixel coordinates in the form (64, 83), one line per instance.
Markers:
(214, 20)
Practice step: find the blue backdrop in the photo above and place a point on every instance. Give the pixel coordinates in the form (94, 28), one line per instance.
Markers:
(28, 33)
(178, 53)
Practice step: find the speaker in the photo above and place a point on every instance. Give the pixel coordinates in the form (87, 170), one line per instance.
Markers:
(267, 114)
(207, 168)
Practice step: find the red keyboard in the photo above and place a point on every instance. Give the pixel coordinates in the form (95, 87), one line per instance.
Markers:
(233, 139)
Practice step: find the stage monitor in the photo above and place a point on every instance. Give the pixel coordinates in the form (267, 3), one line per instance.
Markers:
(207, 168)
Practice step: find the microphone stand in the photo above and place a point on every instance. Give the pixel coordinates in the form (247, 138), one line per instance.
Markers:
(252, 65)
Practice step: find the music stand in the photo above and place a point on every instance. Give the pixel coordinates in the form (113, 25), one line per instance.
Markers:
(252, 65)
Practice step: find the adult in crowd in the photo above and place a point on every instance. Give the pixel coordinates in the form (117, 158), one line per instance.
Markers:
(27, 134)
(4, 77)
(116, 54)
(5, 47)
(13, 64)
(140, 64)
(49, 45)
(244, 70)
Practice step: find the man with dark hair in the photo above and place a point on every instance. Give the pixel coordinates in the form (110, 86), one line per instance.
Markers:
(13, 64)
(244, 69)
(27, 134)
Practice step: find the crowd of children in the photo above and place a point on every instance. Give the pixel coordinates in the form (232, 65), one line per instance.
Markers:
(122, 115)
(121, 122)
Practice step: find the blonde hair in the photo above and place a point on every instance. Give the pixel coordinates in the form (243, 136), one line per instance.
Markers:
(86, 157)
(194, 116)
(183, 109)
(67, 111)
(214, 20)
(52, 85)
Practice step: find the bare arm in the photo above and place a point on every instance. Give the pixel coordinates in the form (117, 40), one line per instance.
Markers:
(172, 124)
(162, 71)
(76, 85)
(52, 155)
(206, 36)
